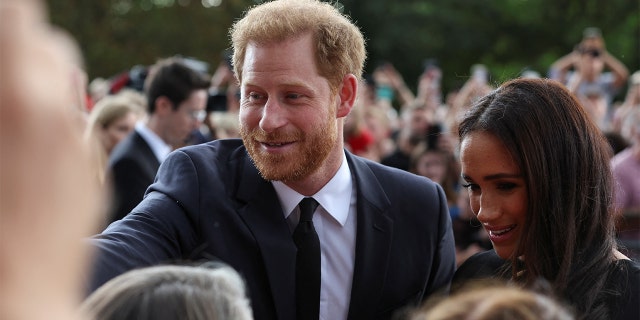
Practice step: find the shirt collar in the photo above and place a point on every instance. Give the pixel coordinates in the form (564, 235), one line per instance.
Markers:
(334, 197)
(160, 149)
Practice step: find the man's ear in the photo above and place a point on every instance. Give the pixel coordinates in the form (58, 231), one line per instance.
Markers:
(163, 105)
(347, 93)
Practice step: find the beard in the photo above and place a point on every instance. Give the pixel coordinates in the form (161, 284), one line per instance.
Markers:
(311, 151)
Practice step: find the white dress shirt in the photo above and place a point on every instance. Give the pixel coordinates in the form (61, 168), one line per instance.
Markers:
(335, 223)
(160, 149)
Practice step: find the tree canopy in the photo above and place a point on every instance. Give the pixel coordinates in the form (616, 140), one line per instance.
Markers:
(508, 36)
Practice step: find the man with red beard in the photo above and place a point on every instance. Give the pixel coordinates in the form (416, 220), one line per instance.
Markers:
(381, 238)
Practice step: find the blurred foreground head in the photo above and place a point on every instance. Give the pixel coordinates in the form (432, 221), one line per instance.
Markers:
(48, 202)
(171, 292)
(495, 302)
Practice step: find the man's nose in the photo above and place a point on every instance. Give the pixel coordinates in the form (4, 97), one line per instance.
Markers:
(273, 115)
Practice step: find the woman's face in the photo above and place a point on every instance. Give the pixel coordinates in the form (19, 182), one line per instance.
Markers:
(497, 190)
(117, 130)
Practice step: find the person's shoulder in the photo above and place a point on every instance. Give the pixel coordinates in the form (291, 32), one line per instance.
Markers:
(133, 148)
(388, 172)
(131, 144)
(625, 272)
(620, 159)
(485, 258)
(629, 267)
(219, 147)
(482, 265)
(625, 280)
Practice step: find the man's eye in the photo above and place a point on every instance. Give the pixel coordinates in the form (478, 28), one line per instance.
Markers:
(253, 96)
(293, 96)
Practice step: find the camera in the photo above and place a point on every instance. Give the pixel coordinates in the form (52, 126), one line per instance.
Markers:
(216, 101)
(593, 52)
(589, 50)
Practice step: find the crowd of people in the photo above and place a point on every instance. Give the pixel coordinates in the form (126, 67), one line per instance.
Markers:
(168, 169)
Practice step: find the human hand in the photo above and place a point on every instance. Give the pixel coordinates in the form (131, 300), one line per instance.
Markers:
(429, 83)
(395, 78)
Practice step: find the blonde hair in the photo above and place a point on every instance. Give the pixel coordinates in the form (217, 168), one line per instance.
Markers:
(340, 47)
(104, 113)
(494, 302)
(113, 107)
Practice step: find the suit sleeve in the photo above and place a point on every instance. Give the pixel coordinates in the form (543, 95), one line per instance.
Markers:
(161, 229)
(444, 261)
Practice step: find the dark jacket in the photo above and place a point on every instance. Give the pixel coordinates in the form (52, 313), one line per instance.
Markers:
(132, 167)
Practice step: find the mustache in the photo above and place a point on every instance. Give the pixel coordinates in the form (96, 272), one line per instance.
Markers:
(275, 136)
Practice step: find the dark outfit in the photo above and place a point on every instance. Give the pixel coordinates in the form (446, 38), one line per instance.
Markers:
(468, 232)
(625, 277)
(209, 202)
(132, 168)
(397, 159)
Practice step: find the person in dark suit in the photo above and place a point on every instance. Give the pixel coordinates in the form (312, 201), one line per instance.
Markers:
(176, 98)
(385, 236)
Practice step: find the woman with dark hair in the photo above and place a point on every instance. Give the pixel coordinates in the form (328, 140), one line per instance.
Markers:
(538, 175)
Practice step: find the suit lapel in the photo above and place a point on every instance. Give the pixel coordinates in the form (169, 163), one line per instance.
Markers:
(148, 157)
(373, 240)
(263, 215)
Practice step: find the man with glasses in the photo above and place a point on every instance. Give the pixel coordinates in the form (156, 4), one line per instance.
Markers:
(176, 98)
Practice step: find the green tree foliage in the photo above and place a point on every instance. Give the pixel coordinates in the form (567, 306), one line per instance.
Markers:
(508, 36)
(118, 34)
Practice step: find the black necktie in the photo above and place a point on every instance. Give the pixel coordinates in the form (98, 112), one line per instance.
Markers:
(307, 262)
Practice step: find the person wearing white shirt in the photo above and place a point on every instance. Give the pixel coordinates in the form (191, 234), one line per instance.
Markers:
(176, 98)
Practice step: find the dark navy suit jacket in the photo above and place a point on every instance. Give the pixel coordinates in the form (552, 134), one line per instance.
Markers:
(209, 202)
(132, 168)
